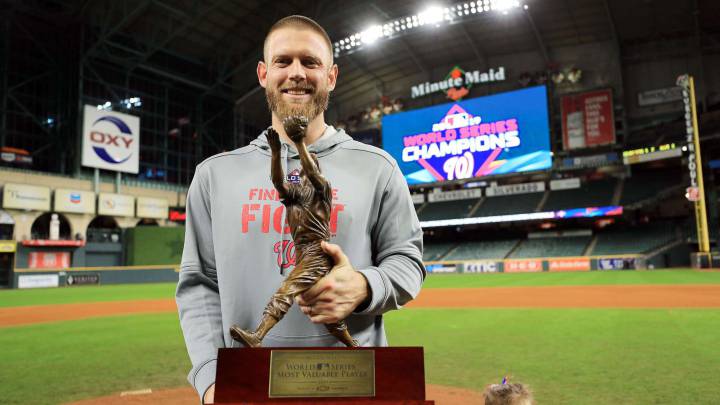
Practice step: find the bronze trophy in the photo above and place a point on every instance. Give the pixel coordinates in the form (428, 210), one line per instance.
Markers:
(308, 205)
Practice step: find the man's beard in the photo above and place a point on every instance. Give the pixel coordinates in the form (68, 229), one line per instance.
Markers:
(318, 103)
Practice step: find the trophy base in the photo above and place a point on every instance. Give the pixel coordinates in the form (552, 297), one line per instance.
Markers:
(321, 375)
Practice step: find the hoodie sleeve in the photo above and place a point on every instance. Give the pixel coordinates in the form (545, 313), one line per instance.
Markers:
(397, 241)
(197, 296)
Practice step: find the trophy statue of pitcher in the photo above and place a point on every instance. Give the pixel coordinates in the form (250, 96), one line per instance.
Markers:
(308, 204)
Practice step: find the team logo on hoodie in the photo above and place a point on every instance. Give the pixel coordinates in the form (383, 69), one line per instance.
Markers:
(293, 176)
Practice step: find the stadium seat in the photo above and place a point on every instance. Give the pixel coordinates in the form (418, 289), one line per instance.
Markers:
(447, 209)
(596, 193)
(640, 239)
(482, 250)
(552, 247)
(436, 251)
(511, 204)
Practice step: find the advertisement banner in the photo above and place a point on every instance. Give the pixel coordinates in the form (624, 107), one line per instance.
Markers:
(49, 260)
(511, 189)
(659, 96)
(523, 266)
(482, 266)
(616, 263)
(498, 134)
(8, 246)
(110, 140)
(116, 204)
(569, 264)
(458, 82)
(565, 184)
(83, 279)
(441, 268)
(455, 195)
(604, 159)
(74, 201)
(24, 197)
(588, 119)
(418, 198)
(152, 208)
(38, 281)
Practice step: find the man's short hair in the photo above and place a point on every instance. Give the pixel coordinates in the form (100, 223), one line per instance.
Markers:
(299, 22)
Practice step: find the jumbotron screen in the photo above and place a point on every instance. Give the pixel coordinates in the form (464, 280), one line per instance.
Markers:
(498, 134)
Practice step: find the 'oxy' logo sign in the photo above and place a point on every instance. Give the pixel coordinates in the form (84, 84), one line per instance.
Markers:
(108, 144)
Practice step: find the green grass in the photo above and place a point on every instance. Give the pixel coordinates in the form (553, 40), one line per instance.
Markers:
(571, 278)
(571, 356)
(566, 356)
(14, 298)
(61, 362)
(70, 295)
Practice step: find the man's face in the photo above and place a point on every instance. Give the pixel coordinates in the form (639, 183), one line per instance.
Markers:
(296, 73)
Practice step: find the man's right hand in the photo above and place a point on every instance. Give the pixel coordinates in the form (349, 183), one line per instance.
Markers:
(273, 139)
(209, 397)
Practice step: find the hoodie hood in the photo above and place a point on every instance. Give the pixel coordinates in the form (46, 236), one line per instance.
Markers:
(326, 144)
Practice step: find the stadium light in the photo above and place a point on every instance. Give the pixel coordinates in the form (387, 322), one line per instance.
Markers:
(433, 16)
(504, 6)
(372, 34)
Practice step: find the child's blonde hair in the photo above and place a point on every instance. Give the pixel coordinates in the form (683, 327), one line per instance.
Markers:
(508, 394)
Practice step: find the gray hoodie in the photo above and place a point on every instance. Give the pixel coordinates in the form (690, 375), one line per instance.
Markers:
(237, 253)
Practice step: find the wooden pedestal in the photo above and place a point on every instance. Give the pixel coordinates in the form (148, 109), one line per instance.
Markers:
(243, 377)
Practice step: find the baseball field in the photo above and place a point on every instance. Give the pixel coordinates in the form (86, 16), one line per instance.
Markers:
(630, 337)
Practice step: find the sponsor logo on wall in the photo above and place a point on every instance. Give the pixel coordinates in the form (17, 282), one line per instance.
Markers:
(616, 263)
(152, 208)
(571, 264)
(523, 266)
(116, 204)
(484, 266)
(25, 197)
(441, 268)
(83, 279)
(565, 184)
(74, 201)
(511, 189)
(49, 260)
(38, 281)
(455, 195)
(458, 82)
(111, 140)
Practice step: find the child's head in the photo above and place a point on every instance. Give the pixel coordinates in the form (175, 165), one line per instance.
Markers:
(508, 394)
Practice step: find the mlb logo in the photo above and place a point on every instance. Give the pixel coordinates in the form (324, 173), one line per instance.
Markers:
(293, 176)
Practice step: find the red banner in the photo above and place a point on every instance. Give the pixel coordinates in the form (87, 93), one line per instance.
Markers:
(574, 264)
(49, 260)
(523, 266)
(588, 120)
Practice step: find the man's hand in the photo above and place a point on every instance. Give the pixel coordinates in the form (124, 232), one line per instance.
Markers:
(295, 127)
(336, 295)
(273, 139)
(209, 397)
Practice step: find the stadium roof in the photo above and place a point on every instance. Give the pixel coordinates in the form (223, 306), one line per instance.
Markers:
(214, 45)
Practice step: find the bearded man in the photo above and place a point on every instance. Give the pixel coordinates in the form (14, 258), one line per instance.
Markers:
(238, 248)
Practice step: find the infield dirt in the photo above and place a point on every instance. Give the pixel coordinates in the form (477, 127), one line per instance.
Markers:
(626, 296)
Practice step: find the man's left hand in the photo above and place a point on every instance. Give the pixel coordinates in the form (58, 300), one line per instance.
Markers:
(336, 295)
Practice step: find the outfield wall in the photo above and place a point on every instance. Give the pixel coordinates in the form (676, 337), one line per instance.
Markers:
(79, 276)
(537, 265)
